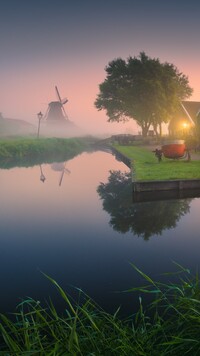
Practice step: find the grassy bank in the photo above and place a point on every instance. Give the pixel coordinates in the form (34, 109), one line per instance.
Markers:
(147, 167)
(86, 329)
(30, 151)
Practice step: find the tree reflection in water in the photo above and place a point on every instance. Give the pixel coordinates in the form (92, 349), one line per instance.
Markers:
(142, 219)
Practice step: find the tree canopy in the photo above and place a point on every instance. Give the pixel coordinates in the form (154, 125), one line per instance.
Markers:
(142, 89)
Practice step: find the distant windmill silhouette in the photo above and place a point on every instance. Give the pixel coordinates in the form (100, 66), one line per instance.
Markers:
(56, 111)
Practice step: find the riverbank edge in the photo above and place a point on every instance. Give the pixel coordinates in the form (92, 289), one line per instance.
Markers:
(25, 152)
(146, 186)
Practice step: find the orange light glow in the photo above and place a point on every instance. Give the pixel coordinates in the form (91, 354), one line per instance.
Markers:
(185, 125)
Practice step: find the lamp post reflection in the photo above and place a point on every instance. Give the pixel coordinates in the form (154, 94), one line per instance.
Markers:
(57, 167)
(42, 176)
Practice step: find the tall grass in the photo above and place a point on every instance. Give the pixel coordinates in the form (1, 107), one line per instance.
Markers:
(175, 325)
(85, 329)
(28, 151)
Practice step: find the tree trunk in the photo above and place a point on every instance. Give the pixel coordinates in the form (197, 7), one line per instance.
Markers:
(145, 128)
(145, 131)
(155, 128)
(160, 129)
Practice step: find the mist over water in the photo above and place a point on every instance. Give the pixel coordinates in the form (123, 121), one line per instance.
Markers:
(76, 221)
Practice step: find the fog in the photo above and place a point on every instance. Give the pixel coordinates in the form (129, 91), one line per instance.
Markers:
(66, 128)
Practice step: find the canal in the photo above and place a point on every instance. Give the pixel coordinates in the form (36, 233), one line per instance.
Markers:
(76, 222)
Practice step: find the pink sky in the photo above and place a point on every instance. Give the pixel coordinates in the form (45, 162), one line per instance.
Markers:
(43, 46)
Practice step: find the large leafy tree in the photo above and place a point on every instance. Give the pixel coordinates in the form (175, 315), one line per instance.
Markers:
(143, 89)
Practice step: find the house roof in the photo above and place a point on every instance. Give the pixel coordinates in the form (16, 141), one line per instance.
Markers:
(191, 109)
(187, 111)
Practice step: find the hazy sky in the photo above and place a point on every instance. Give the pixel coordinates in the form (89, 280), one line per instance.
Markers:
(68, 43)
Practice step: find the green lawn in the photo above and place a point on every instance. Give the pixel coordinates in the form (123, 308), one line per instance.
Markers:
(147, 167)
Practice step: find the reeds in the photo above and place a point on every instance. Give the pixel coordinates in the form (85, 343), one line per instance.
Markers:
(31, 151)
(170, 326)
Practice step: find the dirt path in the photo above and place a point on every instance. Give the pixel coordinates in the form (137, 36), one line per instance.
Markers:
(195, 156)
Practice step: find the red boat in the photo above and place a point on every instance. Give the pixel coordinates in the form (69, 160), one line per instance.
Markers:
(174, 149)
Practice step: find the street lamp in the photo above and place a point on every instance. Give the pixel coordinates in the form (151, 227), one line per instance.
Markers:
(40, 116)
(185, 125)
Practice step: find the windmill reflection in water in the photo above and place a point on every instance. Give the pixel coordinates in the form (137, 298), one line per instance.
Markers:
(58, 167)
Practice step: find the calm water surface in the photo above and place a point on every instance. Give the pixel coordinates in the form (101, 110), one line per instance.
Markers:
(76, 222)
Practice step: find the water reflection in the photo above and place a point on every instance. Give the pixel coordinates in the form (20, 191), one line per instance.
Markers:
(64, 232)
(60, 167)
(142, 219)
(42, 176)
(57, 167)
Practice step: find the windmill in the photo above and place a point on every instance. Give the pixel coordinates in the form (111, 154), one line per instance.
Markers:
(56, 112)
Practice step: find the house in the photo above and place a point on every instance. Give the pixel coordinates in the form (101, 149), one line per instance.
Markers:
(187, 117)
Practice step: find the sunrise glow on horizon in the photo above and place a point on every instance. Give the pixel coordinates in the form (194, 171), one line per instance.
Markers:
(48, 43)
